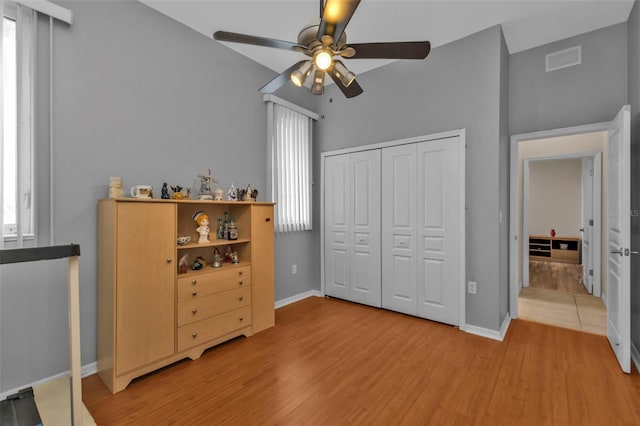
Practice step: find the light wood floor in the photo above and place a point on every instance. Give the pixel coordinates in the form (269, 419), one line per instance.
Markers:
(331, 362)
(556, 296)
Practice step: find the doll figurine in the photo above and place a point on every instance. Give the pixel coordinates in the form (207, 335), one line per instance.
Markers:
(202, 220)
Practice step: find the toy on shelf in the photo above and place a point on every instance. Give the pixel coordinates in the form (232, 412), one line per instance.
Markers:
(202, 220)
(232, 193)
(206, 192)
(198, 263)
(182, 265)
(165, 192)
(217, 261)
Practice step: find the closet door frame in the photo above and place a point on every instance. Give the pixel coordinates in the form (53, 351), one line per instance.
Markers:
(460, 135)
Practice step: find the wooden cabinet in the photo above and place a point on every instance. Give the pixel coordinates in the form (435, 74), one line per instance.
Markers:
(149, 314)
(555, 249)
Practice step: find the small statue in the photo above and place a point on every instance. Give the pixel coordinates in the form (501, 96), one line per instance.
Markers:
(250, 194)
(202, 220)
(165, 192)
(232, 193)
(217, 262)
(177, 192)
(182, 265)
(234, 257)
(198, 263)
(227, 254)
(205, 192)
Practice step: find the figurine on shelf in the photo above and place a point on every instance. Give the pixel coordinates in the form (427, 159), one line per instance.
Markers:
(232, 193)
(227, 254)
(217, 262)
(198, 263)
(165, 192)
(218, 194)
(234, 257)
(552, 233)
(250, 194)
(205, 192)
(182, 265)
(177, 192)
(202, 220)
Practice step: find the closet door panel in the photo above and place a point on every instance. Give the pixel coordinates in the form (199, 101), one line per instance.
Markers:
(365, 227)
(438, 231)
(399, 291)
(337, 228)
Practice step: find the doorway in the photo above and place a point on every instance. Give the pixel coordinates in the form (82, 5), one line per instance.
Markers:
(561, 224)
(571, 143)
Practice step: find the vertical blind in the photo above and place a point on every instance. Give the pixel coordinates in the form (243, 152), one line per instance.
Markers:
(291, 169)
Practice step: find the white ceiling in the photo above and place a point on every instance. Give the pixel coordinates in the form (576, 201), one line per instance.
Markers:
(525, 23)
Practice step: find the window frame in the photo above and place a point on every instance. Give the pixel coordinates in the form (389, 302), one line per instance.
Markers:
(272, 170)
(24, 228)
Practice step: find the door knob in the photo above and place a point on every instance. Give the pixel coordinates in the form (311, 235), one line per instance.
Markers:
(581, 229)
(616, 252)
(634, 252)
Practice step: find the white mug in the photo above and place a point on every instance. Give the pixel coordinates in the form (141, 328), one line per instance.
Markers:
(141, 191)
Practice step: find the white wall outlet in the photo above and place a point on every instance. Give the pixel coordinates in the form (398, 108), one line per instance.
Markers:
(294, 269)
(473, 287)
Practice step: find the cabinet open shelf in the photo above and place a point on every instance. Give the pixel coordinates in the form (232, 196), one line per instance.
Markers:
(214, 243)
(554, 249)
(208, 268)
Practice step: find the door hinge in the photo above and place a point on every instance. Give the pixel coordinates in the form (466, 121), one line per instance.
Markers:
(591, 172)
(590, 222)
(591, 272)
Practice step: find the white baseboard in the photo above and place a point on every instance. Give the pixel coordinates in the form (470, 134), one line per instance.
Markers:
(296, 298)
(87, 370)
(635, 355)
(488, 333)
(604, 299)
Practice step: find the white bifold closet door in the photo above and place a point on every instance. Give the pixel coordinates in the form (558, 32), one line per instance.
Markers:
(352, 227)
(421, 235)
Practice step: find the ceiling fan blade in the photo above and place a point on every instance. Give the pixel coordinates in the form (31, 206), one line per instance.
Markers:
(280, 80)
(335, 17)
(353, 90)
(257, 41)
(392, 50)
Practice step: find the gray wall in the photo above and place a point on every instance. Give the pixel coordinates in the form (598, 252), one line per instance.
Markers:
(588, 93)
(143, 97)
(457, 86)
(634, 100)
(503, 301)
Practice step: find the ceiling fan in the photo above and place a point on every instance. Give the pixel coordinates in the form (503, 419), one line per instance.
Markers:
(325, 42)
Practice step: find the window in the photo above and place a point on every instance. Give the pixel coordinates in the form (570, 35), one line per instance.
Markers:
(290, 138)
(16, 143)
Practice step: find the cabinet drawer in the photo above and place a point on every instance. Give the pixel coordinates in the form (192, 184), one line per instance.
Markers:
(214, 282)
(201, 331)
(204, 307)
(565, 254)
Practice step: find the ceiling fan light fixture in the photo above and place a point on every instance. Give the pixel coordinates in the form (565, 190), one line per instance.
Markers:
(300, 75)
(345, 76)
(323, 59)
(317, 88)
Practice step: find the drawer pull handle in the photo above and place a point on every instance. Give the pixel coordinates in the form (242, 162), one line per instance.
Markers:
(169, 260)
(241, 282)
(195, 293)
(241, 319)
(194, 282)
(241, 298)
(240, 273)
(194, 310)
(194, 334)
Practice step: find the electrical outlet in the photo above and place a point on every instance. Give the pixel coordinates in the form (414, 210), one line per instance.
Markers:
(473, 287)
(294, 269)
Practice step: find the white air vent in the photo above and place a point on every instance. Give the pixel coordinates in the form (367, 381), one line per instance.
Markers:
(563, 58)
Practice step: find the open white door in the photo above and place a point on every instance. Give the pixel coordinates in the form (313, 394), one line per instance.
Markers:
(618, 229)
(587, 223)
(525, 223)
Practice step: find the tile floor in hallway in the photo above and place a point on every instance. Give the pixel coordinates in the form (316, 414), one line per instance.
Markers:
(557, 297)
